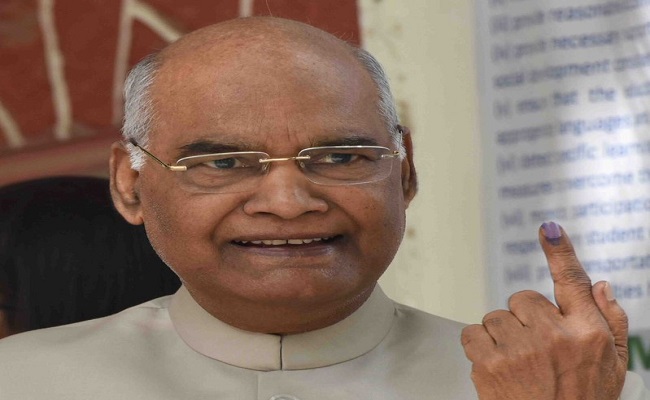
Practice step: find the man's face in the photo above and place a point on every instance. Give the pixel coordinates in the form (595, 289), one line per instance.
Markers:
(278, 105)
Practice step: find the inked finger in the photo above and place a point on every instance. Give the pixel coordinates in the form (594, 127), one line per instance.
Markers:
(571, 283)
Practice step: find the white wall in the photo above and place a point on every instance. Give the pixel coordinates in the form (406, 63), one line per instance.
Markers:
(427, 49)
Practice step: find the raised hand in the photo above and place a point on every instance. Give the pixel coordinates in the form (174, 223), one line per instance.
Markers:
(536, 350)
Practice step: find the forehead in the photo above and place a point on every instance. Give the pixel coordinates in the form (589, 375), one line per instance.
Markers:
(262, 95)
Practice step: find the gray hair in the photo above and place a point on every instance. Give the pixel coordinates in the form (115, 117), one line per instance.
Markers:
(139, 112)
(386, 103)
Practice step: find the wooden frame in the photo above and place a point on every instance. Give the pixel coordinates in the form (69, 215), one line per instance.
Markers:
(81, 156)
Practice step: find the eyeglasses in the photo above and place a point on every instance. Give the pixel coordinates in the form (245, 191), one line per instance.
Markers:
(241, 171)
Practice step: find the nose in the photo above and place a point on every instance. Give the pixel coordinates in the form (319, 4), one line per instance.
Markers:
(284, 192)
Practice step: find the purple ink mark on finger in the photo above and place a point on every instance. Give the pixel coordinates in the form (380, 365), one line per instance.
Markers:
(552, 232)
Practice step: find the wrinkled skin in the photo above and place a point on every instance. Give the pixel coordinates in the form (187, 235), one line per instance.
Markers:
(535, 350)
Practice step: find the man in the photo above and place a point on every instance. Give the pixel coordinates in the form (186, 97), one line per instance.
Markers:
(265, 159)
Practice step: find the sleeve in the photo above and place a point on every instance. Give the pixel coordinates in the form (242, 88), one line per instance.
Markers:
(634, 388)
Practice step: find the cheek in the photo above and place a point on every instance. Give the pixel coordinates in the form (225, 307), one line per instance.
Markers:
(182, 228)
(380, 215)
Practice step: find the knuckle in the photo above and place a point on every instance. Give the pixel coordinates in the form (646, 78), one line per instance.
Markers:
(593, 344)
(526, 297)
(555, 339)
(469, 334)
(495, 318)
(574, 275)
(597, 338)
(495, 364)
(567, 341)
(490, 366)
(527, 356)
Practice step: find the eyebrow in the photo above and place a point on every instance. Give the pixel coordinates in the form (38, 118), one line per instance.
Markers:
(347, 141)
(208, 147)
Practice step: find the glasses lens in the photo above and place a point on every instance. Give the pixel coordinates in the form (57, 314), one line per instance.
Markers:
(224, 172)
(347, 165)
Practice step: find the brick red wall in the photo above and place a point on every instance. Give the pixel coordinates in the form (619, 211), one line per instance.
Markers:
(60, 118)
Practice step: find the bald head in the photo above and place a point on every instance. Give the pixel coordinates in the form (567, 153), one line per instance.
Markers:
(278, 50)
(266, 35)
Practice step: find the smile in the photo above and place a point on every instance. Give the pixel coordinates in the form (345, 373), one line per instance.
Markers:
(284, 242)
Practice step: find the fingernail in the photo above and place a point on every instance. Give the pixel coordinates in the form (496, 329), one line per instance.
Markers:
(609, 293)
(552, 232)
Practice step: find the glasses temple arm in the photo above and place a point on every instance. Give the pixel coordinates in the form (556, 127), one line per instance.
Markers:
(158, 160)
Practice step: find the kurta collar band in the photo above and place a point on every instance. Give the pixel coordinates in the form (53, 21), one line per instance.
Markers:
(350, 338)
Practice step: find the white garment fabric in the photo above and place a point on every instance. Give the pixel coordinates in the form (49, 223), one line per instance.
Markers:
(170, 348)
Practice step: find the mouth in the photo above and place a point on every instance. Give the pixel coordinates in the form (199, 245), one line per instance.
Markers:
(286, 242)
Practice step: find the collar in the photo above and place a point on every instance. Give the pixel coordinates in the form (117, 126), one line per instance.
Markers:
(347, 339)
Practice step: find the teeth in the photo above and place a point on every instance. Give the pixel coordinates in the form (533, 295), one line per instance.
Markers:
(281, 242)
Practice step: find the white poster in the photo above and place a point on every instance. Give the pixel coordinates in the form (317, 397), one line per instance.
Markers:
(565, 100)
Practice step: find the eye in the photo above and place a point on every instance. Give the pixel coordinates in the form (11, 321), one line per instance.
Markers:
(338, 158)
(226, 163)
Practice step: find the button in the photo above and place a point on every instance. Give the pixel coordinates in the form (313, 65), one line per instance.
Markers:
(284, 397)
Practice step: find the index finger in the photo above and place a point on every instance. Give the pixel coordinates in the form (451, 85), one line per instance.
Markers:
(571, 283)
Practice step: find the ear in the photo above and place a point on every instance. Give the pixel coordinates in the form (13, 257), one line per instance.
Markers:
(124, 185)
(409, 176)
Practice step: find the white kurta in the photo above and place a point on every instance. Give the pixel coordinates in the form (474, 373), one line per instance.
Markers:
(170, 348)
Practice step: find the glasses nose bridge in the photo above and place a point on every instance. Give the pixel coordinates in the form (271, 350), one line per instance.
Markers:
(266, 162)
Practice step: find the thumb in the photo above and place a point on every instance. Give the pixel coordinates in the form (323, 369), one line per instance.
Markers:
(614, 315)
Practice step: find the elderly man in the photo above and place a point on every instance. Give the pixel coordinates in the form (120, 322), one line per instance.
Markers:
(265, 159)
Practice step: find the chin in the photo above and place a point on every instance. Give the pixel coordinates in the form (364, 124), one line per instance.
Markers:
(303, 292)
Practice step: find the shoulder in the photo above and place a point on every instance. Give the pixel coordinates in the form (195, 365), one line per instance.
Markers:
(430, 327)
(426, 349)
(84, 339)
(420, 331)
